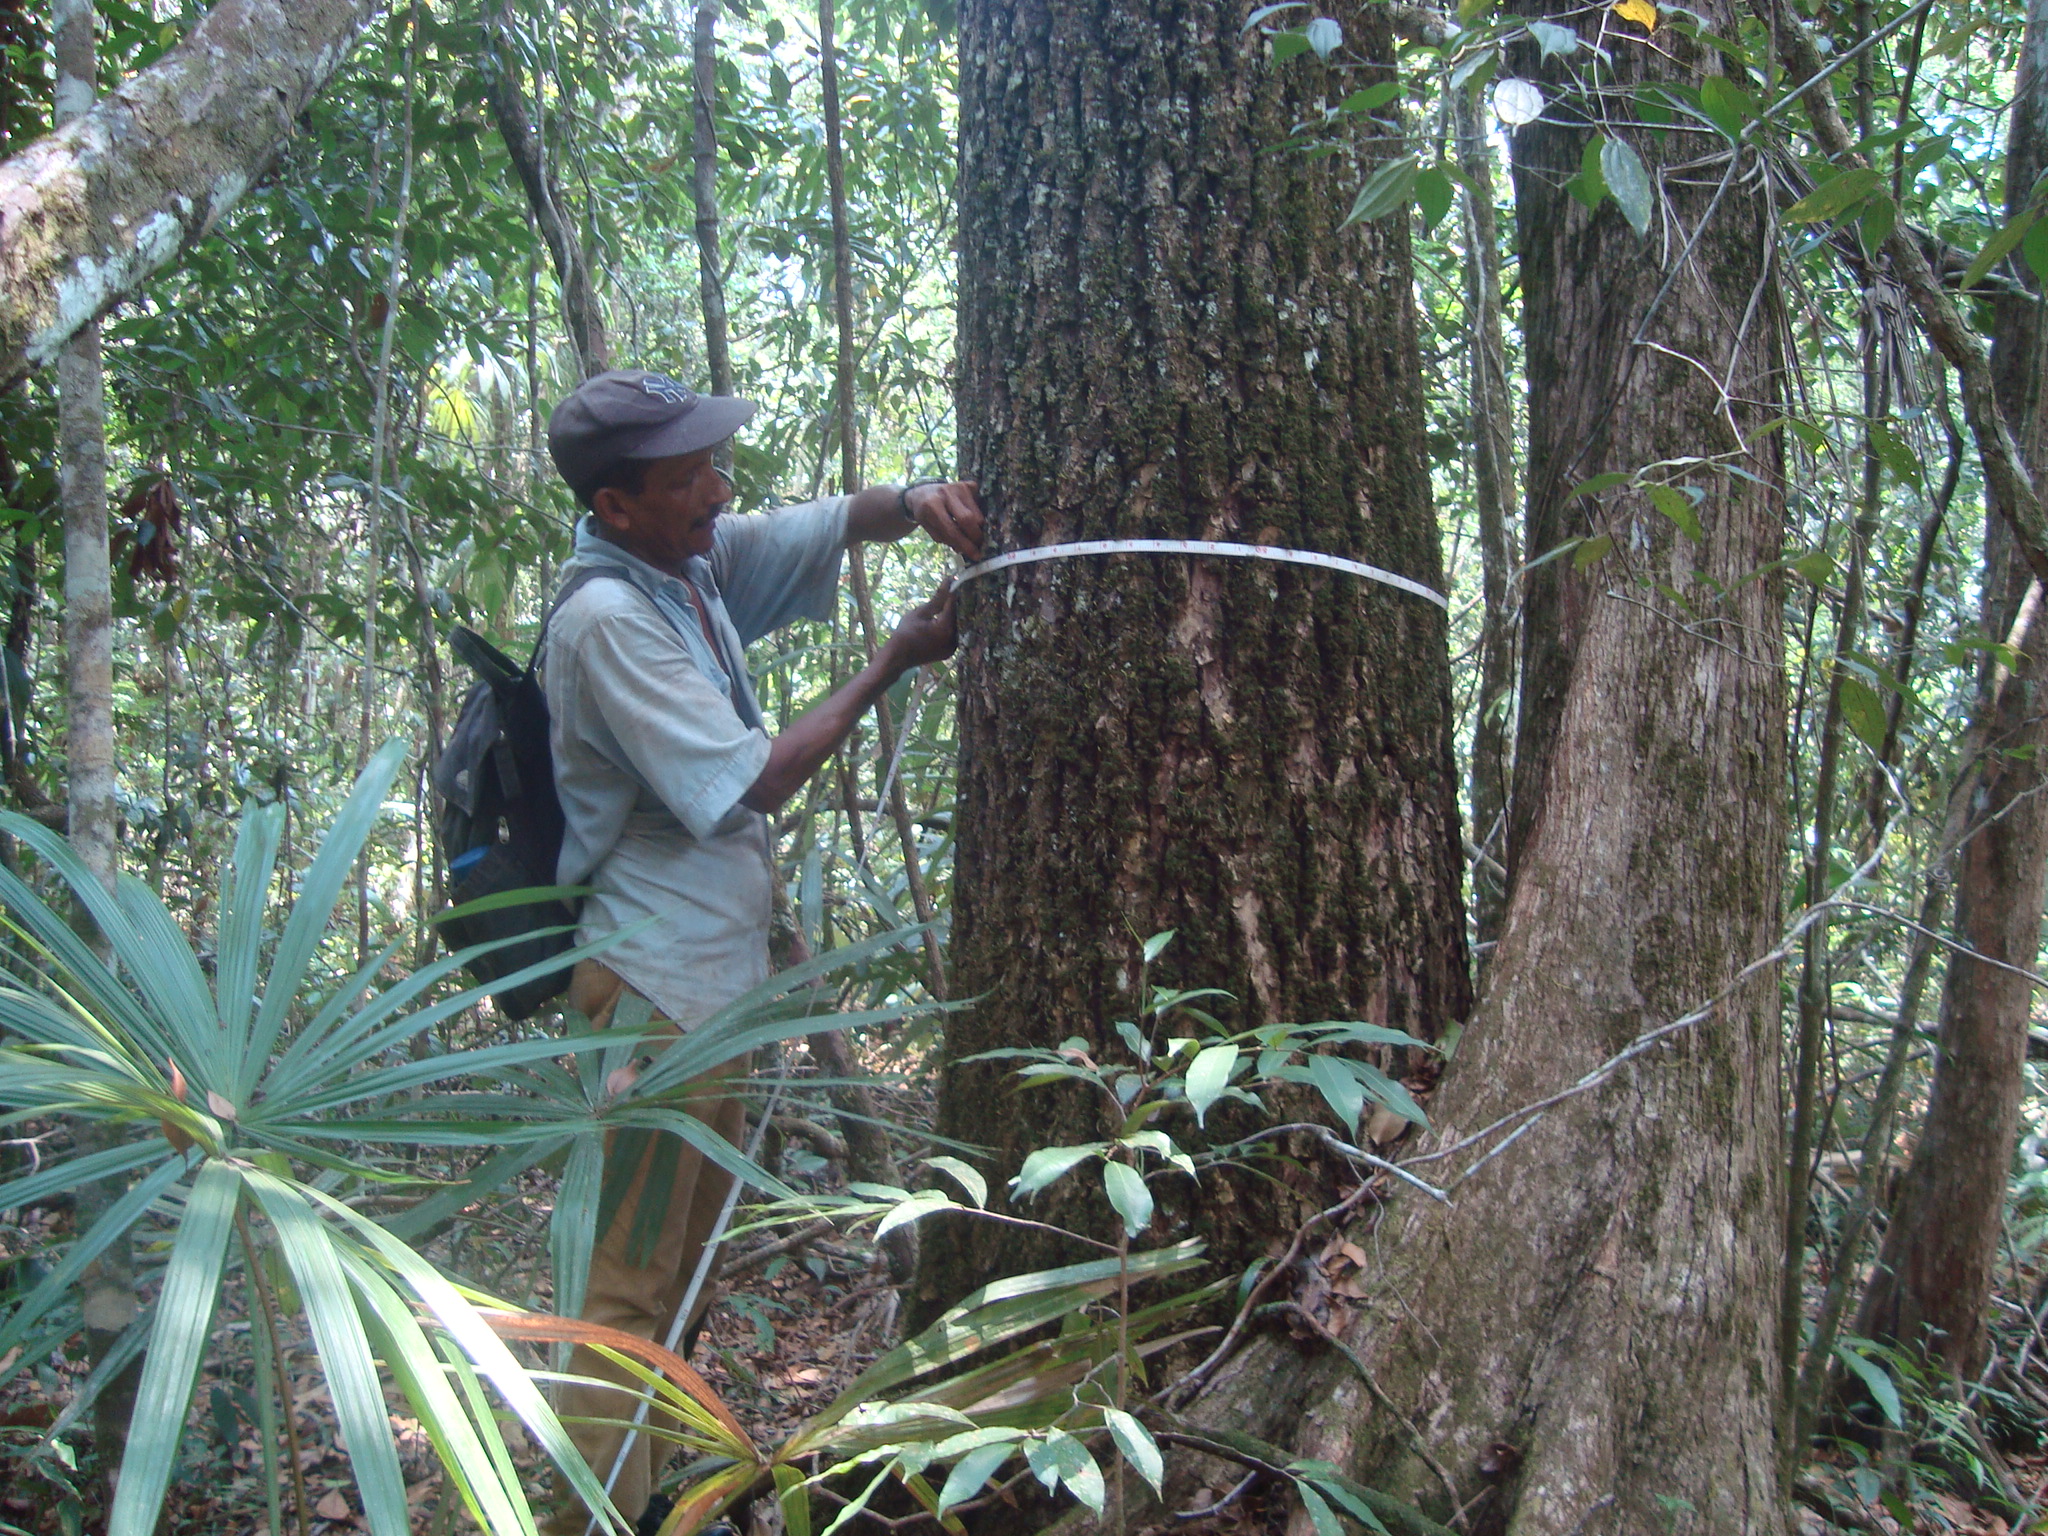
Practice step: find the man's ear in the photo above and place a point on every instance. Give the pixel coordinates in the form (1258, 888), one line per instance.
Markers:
(608, 507)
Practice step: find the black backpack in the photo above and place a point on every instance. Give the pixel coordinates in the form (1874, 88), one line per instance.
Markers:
(499, 821)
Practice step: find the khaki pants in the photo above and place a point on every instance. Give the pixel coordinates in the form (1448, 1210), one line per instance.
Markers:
(640, 1298)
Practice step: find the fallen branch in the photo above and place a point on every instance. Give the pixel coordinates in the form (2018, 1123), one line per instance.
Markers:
(754, 1258)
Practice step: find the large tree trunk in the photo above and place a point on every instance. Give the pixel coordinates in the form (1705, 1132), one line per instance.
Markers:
(1933, 1276)
(1583, 1342)
(89, 212)
(1163, 333)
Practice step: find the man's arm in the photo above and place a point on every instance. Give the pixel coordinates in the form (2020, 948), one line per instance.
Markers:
(926, 634)
(950, 511)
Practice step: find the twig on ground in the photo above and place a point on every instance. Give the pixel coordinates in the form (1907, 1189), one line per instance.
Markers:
(754, 1258)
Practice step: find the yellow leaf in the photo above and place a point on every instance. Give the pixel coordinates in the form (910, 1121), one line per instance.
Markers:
(1641, 12)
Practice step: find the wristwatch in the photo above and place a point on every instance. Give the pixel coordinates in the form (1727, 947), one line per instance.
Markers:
(903, 496)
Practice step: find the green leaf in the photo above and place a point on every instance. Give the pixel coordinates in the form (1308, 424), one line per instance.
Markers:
(1048, 1164)
(245, 889)
(1591, 551)
(1882, 1389)
(1060, 1458)
(1816, 565)
(795, 1500)
(2035, 249)
(972, 1472)
(318, 892)
(1128, 1193)
(1677, 506)
(969, 1177)
(999, 1311)
(1386, 191)
(1351, 1504)
(1372, 98)
(1340, 1089)
(515, 1385)
(1597, 484)
(184, 1322)
(1156, 945)
(1874, 226)
(1834, 196)
(1727, 104)
(1324, 35)
(1207, 1076)
(572, 1227)
(1622, 169)
(1287, 45)
(1589, 186)
(921, 1204)
(1319, 1511)
(1863, 709)
(1138, 1446)
(345, 1359)
(1384, 1090)
(1997, 247)
(495, 1500)
(1554, 40)
(1433, 193)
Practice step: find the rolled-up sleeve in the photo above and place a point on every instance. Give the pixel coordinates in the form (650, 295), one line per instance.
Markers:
(776, 567)
(639, 696)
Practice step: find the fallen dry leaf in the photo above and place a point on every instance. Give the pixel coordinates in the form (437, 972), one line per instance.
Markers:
(334, 1506)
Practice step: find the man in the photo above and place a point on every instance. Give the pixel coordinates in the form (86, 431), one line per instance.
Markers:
(667, 773)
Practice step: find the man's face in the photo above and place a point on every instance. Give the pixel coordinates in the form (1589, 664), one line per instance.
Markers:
(670, 519)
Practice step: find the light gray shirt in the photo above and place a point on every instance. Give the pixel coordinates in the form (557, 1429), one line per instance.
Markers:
(657, 734)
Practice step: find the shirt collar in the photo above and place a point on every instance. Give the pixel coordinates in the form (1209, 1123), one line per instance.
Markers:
(594, 548)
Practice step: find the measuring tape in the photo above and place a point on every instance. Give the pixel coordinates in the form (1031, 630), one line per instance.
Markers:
(1199, 547)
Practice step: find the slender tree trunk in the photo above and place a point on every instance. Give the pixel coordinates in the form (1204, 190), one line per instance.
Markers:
(1583, 1341)
(849, 482)
(1493, 487)
(89, 212)
(704, 189)
(581, 311)
(107, 1290)
(1933, 1277)
(1162, 332)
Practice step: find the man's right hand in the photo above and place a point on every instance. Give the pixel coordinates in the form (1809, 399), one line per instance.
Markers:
(929, 632)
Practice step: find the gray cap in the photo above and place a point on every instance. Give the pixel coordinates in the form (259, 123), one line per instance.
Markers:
(632, 414)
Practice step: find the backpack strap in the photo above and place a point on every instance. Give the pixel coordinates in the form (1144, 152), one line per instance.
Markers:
(576, 584)
(570, 588)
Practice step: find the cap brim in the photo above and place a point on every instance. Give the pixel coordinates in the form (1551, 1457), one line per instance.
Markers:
(710, 422)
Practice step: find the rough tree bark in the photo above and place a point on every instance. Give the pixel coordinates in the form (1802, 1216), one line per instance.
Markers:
(89, 212)
(1163, 333)
(1933, 1277)
(1583, 1342)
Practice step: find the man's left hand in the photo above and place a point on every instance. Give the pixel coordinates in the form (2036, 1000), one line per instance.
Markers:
(950, 511)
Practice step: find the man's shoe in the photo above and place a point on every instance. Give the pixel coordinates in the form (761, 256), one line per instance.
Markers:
(649, 1523)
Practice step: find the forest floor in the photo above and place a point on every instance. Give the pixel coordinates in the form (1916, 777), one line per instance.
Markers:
(791, 1332)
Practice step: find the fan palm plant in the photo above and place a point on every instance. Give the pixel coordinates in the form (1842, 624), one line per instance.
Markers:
(240, 1080)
